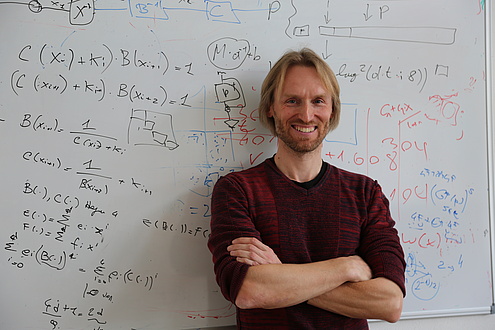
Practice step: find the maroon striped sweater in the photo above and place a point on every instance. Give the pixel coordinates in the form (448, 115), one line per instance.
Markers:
(342, 215)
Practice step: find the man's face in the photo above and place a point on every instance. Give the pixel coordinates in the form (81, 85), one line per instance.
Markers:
(302, 110)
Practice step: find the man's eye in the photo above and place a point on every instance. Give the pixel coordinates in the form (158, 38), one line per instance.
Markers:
(319, 101)
(291, 101)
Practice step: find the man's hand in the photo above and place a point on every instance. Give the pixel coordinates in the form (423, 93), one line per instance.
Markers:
(251, 251)
(357, 269)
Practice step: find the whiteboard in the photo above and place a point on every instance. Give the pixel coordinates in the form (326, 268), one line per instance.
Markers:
(118, 117)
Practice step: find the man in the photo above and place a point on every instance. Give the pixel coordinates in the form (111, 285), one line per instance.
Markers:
(298, 243)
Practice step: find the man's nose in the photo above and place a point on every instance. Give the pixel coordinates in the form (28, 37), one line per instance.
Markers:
(306, 112)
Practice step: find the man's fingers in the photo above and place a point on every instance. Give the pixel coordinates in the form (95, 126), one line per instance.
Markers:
(249, 240)
(247, 261)
(251, 251)
(246, 251)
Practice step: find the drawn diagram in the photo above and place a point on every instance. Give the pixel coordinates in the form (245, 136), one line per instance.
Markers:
(444, 110)
(152, 129)
(216, 11)
(229, 92)
(82, 12)
(437, 35)
(425, 35)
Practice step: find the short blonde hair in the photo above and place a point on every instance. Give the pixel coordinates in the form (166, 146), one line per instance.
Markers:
(275, 78)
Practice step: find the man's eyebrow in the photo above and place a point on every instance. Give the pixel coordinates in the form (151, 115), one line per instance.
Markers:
(324, 95)
(289, 95)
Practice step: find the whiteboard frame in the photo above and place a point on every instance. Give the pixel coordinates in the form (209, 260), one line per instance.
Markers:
(489, 39)
(446, 313)
(490, 90)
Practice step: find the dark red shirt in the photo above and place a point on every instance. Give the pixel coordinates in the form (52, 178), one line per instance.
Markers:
(344, 214)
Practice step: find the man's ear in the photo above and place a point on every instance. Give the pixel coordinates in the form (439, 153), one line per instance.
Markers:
(270, 112)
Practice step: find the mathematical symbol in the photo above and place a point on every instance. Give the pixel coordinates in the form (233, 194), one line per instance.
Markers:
(55, 58)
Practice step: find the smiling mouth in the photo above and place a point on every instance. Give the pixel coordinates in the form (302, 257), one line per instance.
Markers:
(304, 129)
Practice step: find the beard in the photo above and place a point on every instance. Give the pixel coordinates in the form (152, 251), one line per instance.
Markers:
(301, 144)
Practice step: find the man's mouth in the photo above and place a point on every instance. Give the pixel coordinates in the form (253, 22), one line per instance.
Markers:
(304, 129)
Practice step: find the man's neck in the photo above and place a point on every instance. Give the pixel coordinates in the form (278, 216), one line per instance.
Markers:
(296, 166)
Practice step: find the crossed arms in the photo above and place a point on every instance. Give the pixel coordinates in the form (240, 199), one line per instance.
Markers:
(342, 285)
(251, 274)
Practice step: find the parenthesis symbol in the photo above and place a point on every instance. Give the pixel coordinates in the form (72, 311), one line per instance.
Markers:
(127, 276)
(130, 93)
(36, 82)
(41, 54)
(420, 244)
(36, 122)
(111, 58)
(166, 96)
(420, 77)
(432, 195)
(167, 63)
(103, 88)
(63, 261)
(65, 81)
(12, 85)
(424, 80)
(37, 255)
(71, 58)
